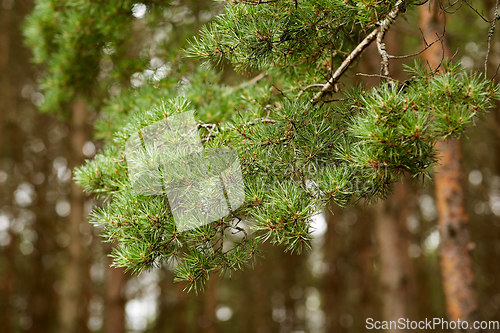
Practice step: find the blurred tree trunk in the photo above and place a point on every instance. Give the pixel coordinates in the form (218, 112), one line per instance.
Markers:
(114, 310)
(455, 244)
(349, 292)
(396, 273)
(259, 307)
(43, 302)
(331, 288)
(72, 304)
(7, 272)
(167, 303)
(210, 303)
(5, 15)
(180, 323)
(291, 264)
(396, 268)
(18, 269)
(389, 216)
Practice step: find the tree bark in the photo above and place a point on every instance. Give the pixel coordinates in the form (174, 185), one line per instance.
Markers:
(455, 244)
(396, 273)
(396, 270)
(180, 322)
(72, 303)
(7, 282)
(332, 286)
(5, 97)
(210, 303)
(349, 293)
(114, 312)
(43, 302)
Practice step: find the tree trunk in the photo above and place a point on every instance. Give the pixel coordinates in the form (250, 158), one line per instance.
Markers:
(455, 245)
(396, 270)
(332, 286)
(43, 302)
(7, 282)
(456, 260)
(396, 274)
(180, 322)
(72, 305)
(349, 293)
(5, 97)
(210, 303)
(114, 312)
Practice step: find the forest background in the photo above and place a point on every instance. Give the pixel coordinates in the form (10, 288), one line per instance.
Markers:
(54, 269)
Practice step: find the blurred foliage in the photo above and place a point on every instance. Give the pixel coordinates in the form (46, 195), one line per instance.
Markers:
(283, 291)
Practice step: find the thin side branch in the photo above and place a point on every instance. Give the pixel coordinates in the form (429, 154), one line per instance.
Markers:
(496, 73)
(255, 3)
(375, 75)
(252, 81)
(384, 63)
(330, 85)
(308, 87)
(490, 34)
(264, 121)
(418, 53)
(478, 13)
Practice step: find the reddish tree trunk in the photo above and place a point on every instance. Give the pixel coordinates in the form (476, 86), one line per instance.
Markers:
(455, 246)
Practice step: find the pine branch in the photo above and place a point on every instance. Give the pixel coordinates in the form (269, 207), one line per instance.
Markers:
(384, 25)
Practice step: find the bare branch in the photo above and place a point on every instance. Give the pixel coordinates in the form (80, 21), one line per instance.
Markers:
(252, 81)
(490, 34)
(330, 85)
(265, 120)
(415, 54)
(280, 91)
(446, 9)
(496, 73)
(384, 63)
(480, 15)
(443, 51)
(255, 3)
(375, 75)
(345, 64)
(309, 86)
(333, 100)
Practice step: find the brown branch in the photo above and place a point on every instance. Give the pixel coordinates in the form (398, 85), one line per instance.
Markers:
(309, 86)
(375, 75)
(480, 15)
(264, 121)
(384, 63)
(330, 85)
(333, 100)
(254, 3)
(418, 53)
(251, 82)
(490, 34)
(496, 73)
(343, 67)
